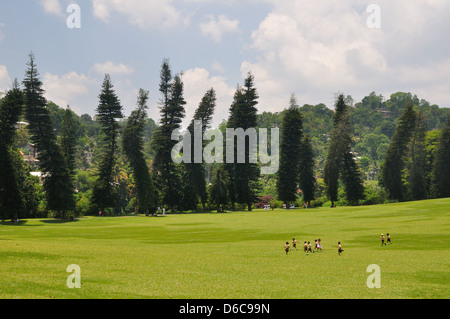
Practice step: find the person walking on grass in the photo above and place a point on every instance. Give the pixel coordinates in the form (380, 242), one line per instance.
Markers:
(316, 246)
(294, 244)
(286, 247)
(388, 239)
(340, 250)
(382, 240)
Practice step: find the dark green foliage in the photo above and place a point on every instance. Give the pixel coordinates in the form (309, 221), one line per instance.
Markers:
(416, 179)
(394, 161)
(68, 139)
(340, 139)
(189, 195)
(307, 180)
(243, 116)
(290, 154)
(58, 183)
(172, 113)
(393, 130)
(195, 172)
(133, 146)
(341, 109)
(218, 191)
(340, 161)
(10, 112)
(352, 179)
(108, 111)
(11, 198)
(441, 168)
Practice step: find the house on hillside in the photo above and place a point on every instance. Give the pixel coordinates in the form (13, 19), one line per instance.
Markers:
(385, 113)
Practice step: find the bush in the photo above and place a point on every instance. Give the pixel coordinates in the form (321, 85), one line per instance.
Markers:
(319, 202)
(83, 206)
(264, 200)
(374, 195)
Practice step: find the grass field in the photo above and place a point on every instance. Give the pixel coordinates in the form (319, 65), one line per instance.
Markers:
(235, 255)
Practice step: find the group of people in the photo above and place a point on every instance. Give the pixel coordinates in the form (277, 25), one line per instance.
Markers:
(307, 247)
(387, 238)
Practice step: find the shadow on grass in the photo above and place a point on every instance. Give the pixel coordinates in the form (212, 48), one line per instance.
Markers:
(45, 221)
(11, 223)
(58, 221)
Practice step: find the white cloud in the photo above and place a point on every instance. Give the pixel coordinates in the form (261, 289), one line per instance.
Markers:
(216, 66)
(52, 7)
(112, 68)
(70, 89)
(197, 82)
(315, 48)
(215, 28)
(429, 82)
(80, 91)
(5, 80)
(147, 15)
(127, 94)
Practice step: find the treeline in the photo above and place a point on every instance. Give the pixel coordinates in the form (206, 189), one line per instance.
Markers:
(370, 152)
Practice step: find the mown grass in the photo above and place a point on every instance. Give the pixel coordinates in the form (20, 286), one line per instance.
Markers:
(232, 255)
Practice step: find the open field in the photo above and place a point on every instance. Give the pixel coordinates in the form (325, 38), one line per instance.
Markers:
(233, 255)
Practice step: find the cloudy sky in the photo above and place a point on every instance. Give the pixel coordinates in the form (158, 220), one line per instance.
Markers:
(311, 48)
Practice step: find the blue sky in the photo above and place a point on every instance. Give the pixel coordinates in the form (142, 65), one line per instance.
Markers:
(311, 48)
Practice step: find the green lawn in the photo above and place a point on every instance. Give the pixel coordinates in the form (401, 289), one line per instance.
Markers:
(233, 255)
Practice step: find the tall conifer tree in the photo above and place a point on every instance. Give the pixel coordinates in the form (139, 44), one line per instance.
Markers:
(290, 153)
(394, 160)
(340, 162)
(11, 197)
(416, 179)
(196, 171)
(307, 180)
(440, 186)
(172, 112)
(245, 181)
(133, 145)
(108, 111)
(58, 184)
(68, 139)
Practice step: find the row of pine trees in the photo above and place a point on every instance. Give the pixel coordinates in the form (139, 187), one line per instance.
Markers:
(405, 173)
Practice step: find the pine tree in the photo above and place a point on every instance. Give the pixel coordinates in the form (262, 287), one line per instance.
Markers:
(196, 171)
(68, 139)
(394, 160)
(416, 179)
(340, 140)
(290, 153)
(307, 181)
(108, 111)
(133, 145)
(58, 184)
(340, 161)
(244, 117)
(440, 186)
(12, 203)
(229, 167)
(352, 179)
(172, 113)
(218, 192)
